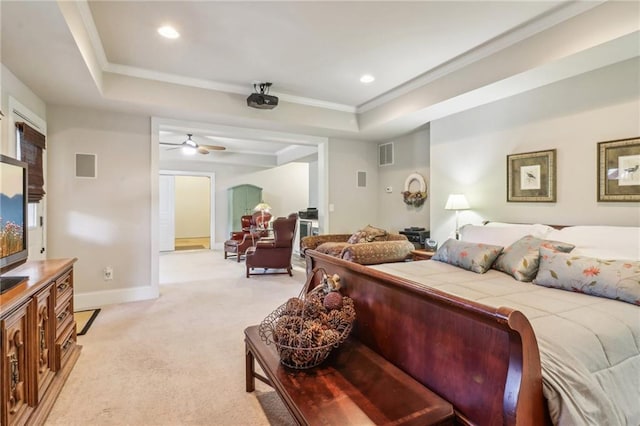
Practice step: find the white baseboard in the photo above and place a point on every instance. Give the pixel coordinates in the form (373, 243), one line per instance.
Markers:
(97, 299)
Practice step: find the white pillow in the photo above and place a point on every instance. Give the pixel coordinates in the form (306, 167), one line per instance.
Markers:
(603, 242)
(502, 234)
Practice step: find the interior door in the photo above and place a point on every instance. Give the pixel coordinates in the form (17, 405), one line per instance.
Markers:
(166, 201)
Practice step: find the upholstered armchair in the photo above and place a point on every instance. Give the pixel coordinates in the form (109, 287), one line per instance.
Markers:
(274, 253)
(245, 223)
(253, 228)
(368, 246)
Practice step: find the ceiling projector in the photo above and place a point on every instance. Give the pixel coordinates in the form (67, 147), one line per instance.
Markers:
(261, 98)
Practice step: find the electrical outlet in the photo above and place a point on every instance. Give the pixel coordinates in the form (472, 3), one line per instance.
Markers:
(108, 273)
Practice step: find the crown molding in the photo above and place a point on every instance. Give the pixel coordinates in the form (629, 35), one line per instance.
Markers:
(547, 20)
(106, 66)
(92, 31)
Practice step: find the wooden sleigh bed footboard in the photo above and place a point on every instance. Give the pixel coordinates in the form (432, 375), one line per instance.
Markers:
(484, 361)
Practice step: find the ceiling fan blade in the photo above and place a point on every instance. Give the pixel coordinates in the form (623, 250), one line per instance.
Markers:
(190, 143)
(213, 147)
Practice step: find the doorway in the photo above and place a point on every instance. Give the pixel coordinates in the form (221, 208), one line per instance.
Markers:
(192, 212)
(186, 207)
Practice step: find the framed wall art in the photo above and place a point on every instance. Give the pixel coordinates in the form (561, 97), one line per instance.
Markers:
(531, 177)
(619, 170)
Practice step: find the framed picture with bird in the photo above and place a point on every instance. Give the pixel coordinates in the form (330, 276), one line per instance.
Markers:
(619, 170)
(531, 176)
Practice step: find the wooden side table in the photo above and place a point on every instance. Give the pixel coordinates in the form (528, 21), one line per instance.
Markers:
(422, 254)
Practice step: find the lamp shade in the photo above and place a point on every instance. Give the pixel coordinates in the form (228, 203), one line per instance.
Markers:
(262, 207)
(457, 202)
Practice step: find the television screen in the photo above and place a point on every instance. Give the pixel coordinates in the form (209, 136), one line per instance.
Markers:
(13, 237)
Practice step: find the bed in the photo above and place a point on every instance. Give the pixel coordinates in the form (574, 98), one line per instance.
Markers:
(503, 351)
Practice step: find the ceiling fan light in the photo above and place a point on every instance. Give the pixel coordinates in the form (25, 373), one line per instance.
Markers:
(189, 150)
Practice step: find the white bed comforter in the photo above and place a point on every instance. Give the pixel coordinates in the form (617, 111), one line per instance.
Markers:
(589, 346)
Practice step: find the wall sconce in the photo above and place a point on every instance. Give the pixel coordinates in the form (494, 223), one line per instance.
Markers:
(457, 202)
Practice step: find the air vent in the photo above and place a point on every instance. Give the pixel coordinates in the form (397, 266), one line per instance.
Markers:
(362, 179)
(385, 154)
(86, 166)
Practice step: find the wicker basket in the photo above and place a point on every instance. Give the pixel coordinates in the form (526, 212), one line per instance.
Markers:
(297, 327)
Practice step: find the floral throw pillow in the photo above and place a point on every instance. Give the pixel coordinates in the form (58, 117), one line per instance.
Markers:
(476, 257)
(613, 279)
(367, 234)
(521, 258)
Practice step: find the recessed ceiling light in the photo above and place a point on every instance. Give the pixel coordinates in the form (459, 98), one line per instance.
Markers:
(168, 32)
(367, 78)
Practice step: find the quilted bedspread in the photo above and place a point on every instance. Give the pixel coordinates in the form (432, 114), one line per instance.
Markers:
(589, 346)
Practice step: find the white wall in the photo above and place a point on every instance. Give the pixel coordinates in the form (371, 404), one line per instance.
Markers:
(104, 221)
(469, 149)
(192, 206)
(354, 207)
(313, 185)
(411, 155)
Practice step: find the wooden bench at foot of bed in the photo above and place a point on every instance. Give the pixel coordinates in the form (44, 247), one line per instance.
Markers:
(354, 386)
(484, 361)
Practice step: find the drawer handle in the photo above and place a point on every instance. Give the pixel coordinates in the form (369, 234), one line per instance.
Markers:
(43, 340)
(63, 315)
(66, 344)
(43, 359)
(15, 371)
(63, 286)
(15, 394)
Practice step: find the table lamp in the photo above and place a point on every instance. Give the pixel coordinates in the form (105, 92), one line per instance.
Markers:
(457, 202)
(262, 207)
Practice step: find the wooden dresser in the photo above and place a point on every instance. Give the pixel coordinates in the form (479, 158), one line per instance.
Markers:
(38, 340)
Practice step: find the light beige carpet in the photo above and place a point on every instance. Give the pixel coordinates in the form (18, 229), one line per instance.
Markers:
(178, 360)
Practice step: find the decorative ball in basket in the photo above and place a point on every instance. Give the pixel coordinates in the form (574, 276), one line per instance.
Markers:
(306, 328)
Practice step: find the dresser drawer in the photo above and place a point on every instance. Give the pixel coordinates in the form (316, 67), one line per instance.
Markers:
(64, 288)
(64, 316)
(64, 346)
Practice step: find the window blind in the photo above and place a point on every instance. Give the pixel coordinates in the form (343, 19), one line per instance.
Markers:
(31, 143)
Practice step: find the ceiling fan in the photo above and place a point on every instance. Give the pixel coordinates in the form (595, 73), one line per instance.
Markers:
(189, 146)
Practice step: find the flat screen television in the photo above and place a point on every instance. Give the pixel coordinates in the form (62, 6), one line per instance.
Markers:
(13, 213)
